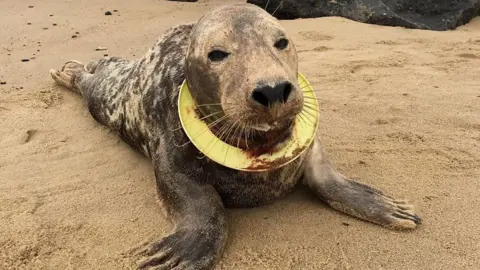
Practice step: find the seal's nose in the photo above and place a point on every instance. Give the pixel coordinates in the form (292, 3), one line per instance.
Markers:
(269, 96)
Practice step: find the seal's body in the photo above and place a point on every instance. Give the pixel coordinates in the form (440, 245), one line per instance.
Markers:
(138, 99)
(233, 59)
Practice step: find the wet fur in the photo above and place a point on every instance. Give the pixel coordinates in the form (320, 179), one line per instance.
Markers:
(138, 99)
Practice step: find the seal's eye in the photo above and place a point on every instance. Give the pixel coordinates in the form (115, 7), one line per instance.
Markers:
(281, 44)
(217, 55)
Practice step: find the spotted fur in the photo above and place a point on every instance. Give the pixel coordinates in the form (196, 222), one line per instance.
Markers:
(138, 99)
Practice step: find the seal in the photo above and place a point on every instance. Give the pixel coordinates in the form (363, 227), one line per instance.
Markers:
(241, 69)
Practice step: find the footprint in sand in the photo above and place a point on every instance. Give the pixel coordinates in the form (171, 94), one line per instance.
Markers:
(468, 55)
(386, 121)
(315, 36)
(28, 136)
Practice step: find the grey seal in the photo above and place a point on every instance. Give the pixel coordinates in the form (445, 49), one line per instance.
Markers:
(241, 66)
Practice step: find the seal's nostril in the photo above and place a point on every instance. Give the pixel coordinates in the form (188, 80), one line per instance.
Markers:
(286, 91)
(268, 96)
(259, 97)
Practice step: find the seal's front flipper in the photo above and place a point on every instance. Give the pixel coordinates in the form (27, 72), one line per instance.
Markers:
(200, 227)
(356, 199)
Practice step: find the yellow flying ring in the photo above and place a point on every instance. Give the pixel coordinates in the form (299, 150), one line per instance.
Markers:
(303, 134)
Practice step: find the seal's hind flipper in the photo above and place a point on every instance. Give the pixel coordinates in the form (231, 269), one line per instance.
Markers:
(66, 76)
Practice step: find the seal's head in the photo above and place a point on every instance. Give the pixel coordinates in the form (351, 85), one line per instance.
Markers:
(241, 61)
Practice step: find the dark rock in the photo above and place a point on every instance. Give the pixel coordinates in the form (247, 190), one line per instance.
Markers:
(30, 6)
(115, 10)
(29, 23)
(3, 83)
(108, 13)
(439, 15)
(25, 60)
(74, 36)
(54, 24)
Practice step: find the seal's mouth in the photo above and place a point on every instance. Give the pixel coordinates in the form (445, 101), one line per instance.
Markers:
(250, 137)
(262, 127)
(276, 125)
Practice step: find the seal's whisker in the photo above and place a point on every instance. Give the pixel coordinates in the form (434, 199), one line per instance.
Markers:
(205, 129)
(247, 128)
(226, 152)
(311, 101)
(303, 85)
(225, 128)
(306, 121)
(281, 2)
(221, 129)
(310, 105)
(242, 131)
(228, 148)
(254, 130)
(308, 91)
(228, 138)
(189, 141)
(311, 97)
(213, 139)
(300, 115)
(238, 129)
(205, 154)
(209, 104)
(309, 109)
(266, 6)
(203, 118)
(310, 113)
(306, 118)
(224, 136)
(182, 145)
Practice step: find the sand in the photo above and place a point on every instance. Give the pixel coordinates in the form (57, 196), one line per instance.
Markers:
(400, 111)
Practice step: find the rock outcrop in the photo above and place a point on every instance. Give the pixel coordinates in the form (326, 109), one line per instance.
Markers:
(439, 15)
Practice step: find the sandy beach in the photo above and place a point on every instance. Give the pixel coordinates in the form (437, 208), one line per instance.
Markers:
(400, 110)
